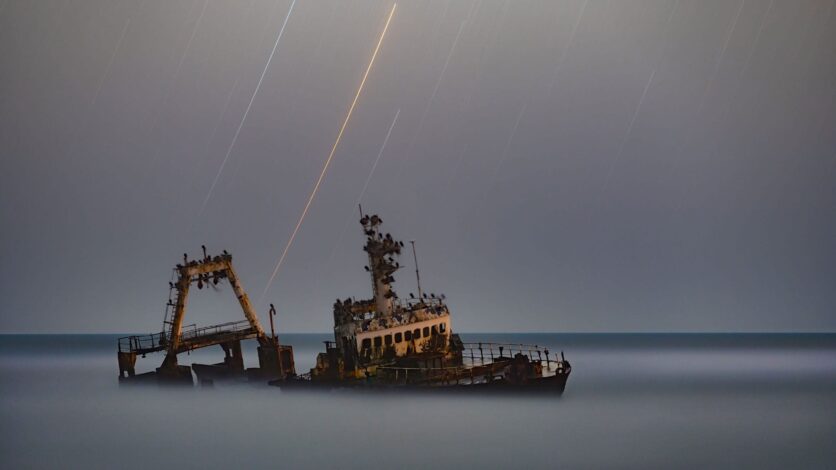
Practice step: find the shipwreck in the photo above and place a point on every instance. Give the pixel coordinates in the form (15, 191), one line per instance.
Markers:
(382, 343)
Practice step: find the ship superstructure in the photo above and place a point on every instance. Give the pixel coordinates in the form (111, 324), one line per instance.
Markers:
(387, 328)
(387, 341)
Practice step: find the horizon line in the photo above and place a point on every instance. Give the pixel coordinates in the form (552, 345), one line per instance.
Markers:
(489, 333)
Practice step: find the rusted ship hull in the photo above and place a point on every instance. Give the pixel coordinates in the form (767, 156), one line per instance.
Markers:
(552, 385)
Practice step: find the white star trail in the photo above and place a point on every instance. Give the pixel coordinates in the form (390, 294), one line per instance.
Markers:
(188, 46)
(173, 81)
(468, 99)
(458, 165)
(313, 57)
(365, 187)
(508, 144)
(602, 192)
(247, 110)
(665, 29)
(444, 68)
(565, 51)
(225, 108)
(420, 127)
(330, 157)
(626, 137)
(110, 62)
(670, 17)
(742, 74)
(432, 97)
(466, 144)
(719, 60)
(808, 61)
(217, 127)
(377, 160)
(524, 107)
(686, 139)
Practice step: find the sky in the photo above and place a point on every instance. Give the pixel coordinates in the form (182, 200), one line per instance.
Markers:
(563, 166)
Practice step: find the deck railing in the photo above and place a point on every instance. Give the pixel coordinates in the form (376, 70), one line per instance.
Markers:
(197, 333)
(428, 302)
(483, 362)
(480, 353)
(153, 342)
(142, 343)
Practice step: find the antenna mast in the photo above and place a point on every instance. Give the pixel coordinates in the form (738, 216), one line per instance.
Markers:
(417, 275)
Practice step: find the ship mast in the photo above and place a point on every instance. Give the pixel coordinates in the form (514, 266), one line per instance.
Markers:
(382, 251)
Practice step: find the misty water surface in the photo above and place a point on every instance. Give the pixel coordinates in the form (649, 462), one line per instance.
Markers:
(633, 401)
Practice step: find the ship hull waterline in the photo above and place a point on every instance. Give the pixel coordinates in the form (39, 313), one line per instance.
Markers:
(551, 385)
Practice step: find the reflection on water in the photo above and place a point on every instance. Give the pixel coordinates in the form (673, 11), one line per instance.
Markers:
(635, 401)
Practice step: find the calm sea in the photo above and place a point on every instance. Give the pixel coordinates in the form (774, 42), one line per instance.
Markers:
(632, 401)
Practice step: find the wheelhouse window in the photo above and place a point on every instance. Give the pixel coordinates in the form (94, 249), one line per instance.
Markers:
(435, 330)
(442, 327)
(407, 335)
(426, 331)
(378, 341)
(388, 340)
(417, 333)
(398, 337)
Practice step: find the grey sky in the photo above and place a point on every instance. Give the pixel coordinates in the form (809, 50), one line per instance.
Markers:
(670, 165)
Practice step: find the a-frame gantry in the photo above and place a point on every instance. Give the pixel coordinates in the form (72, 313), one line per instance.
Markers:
(275, 361)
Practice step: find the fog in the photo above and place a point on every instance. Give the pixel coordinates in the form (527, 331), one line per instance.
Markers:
(634, 401)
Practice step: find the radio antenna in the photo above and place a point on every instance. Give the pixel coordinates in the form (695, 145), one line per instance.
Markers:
(417, 275)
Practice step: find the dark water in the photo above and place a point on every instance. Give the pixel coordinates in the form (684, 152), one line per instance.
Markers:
(633, 401)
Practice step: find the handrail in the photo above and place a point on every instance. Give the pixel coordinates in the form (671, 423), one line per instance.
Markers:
(489, 349)
(428, 302)
(444, 375)
(229, 327)
(479, 366)
(454, 368)
(523, 345)
(158, 341)
(469, 349)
